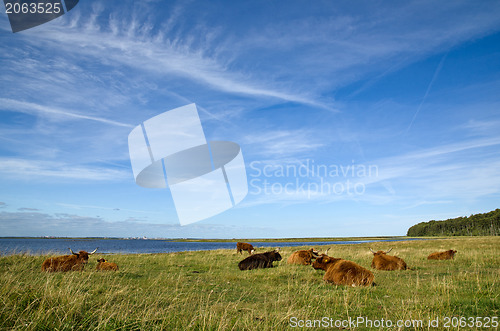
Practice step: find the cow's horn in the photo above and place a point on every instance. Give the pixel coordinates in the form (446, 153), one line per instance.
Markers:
(93, 251)
(72, 251)
(389, 250)
(277, 249)
(371, 250)
(326, 252)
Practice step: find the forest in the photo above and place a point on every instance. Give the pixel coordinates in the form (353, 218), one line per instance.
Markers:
(486, 224)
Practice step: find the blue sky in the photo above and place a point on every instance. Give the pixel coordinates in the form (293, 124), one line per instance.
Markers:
(409, 90)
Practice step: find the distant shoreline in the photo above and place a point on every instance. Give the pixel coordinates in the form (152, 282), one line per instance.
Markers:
(309, 239)
(313, 239)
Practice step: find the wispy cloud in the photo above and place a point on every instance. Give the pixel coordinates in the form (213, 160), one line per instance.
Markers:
(85, 207)
(482, 128)
(35, 169)
(436, 73)
(282, 143)
(158, 54)
(27, 209)
(410, 179)
(465, 170)
(337, 49)
(32, 108)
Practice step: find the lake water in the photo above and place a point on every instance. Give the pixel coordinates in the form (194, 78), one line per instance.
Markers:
(140, 246)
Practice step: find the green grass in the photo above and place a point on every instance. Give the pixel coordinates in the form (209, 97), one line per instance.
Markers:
(206, 290)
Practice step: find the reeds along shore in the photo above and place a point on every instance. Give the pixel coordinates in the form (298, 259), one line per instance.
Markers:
(206, 290)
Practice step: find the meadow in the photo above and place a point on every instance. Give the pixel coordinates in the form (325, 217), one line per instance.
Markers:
(206, 291)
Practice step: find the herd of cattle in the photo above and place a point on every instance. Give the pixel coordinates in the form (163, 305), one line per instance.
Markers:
(337, 271)
(75, 262)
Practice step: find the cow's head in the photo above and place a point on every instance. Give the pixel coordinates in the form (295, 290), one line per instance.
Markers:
(101, 260)
(277, 255)
(314, 253)
(453, 252)
(83, 256)
(379, 253)
(323, 261)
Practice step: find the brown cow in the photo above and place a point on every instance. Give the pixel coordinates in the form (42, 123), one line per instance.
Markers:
(303, 257)
(447, 255)
(244, 247)
(75, 261)
(382, 261)
(102, 264)
(262, 260)
(343, 272)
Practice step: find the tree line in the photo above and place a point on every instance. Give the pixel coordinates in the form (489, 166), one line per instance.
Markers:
(486, 224)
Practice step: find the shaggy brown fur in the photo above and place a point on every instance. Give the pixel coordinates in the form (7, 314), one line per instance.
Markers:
(303, 257)
(343, 272)
(447, 255)
(382, 261)
(244, 247)
(105, 265)
(73, 262)
(261, 260)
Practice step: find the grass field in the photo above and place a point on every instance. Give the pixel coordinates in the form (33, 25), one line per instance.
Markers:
(206, 291)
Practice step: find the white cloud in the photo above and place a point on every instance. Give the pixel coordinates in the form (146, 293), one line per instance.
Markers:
(32, 109)
(279, 144)
(157, 54)
(410, 179)
(334, 50)
(330, 49)
(35, 169)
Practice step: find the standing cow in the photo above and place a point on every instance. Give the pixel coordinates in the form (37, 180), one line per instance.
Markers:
(343, 272)
(382, 261)
(102, 264)
(261, 260)
(244, 247)
(75, 261)
(447, 255)
(303, 257)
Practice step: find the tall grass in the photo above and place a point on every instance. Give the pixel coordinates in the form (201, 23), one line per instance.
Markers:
(206, 290)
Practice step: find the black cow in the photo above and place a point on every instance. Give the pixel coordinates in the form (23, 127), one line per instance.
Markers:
(261, 260)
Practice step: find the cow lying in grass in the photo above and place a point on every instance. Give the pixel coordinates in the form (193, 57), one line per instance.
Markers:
(382, 261)
(447, 255)
(261, 260)
(303, 257)
(343, 272)
(73, 262)
(102, 264)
